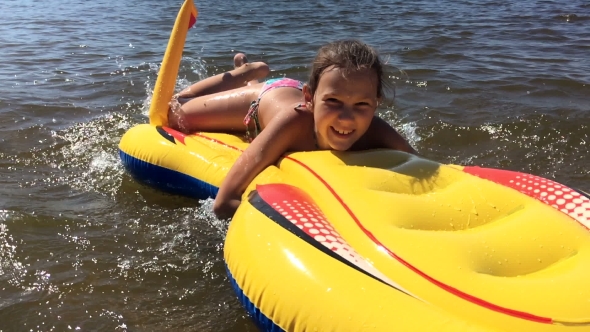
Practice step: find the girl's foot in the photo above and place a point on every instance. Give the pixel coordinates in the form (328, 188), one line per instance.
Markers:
(241, 60)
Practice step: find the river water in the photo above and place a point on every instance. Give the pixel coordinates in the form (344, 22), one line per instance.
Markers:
(84, 247)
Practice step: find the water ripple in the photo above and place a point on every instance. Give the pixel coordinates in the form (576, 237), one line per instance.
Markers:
(492, 83)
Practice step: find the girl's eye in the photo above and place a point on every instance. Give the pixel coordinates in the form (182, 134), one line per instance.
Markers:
(332, 100)
(364, 105)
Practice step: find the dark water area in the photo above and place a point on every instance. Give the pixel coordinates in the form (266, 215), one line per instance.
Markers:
(501, 84)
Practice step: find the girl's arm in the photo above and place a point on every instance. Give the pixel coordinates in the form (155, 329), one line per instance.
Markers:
(278, 137)
(385, 136)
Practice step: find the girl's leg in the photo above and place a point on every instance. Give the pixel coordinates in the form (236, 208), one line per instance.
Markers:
(242, 74)
(222, 111)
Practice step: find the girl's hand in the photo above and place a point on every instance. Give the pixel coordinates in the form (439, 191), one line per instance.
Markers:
(225, 209)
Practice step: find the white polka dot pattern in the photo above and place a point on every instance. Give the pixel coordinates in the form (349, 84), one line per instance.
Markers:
(549, 192)
(308, 217)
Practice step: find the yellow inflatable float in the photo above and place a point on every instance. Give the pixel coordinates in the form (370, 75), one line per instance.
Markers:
(380, 240)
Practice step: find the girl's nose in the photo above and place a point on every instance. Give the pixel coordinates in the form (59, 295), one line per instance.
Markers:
(346, 113)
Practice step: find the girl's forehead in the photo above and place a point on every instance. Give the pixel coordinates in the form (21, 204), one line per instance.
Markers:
(349, 71)
(338, 79)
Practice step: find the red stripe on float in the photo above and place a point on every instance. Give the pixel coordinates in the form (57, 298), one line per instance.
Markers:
(218, 141)
(448, 288)
(176, 134)
(463, 295)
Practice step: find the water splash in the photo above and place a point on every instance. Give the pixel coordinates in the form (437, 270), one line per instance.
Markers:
(12, 270)
(87, 155)
(409, 130)
(188, 65)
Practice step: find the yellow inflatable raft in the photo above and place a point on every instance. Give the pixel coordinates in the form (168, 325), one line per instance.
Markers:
(382, 240)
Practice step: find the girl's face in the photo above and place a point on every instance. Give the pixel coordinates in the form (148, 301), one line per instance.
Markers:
(343, 106)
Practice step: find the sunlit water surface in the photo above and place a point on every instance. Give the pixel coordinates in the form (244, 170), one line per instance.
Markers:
(84, 247)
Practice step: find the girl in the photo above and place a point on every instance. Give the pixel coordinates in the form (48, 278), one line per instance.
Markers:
(335, 110)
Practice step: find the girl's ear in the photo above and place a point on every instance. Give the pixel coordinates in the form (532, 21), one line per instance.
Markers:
(308, 97)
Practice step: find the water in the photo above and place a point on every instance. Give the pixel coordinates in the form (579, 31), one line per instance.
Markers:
(83, 247)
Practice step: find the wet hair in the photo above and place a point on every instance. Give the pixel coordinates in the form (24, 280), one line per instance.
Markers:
(347, 55)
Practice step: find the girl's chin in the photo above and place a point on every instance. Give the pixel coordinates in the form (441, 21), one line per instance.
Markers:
(340, 145)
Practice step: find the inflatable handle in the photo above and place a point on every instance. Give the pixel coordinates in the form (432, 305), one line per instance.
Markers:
(166, 81)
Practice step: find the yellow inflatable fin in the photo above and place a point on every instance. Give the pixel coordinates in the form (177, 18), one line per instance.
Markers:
(164, 88)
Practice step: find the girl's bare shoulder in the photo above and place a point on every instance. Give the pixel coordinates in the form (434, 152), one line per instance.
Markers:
(382, 135)
(295, 124)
